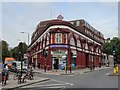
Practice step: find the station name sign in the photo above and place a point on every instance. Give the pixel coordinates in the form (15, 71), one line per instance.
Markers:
(61, 46)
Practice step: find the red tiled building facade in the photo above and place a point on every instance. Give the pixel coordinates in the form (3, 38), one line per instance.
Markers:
(59, 38)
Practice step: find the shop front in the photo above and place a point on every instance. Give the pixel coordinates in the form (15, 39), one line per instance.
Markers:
(59, 58)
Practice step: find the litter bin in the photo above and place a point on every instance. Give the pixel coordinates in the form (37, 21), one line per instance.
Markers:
(114, 70)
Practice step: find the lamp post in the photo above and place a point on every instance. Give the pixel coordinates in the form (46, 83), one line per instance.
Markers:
(28, 45)
(28, 36)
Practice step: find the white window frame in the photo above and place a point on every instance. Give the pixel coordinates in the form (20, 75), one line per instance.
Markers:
(72, 41)
(59, 37)
(78, 43)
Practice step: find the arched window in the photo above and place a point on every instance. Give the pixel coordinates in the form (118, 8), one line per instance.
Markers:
(72, 41)
(58, 38)
(78, 43)
(86, 46)
(97, 49)
(43, 43)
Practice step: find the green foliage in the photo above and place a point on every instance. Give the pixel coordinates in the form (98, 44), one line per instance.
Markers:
(18, 51)
(113, 45)
(5, 51)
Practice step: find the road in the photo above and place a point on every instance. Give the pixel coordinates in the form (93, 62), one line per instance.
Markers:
(94, 79)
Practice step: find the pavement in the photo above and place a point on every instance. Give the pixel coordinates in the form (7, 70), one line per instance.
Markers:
(62, 72)
(12, 84)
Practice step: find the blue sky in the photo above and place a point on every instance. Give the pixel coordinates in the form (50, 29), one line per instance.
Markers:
(24, 16)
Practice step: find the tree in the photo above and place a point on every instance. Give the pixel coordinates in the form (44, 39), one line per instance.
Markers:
(14, 52)
(19, 50)
(5, 51)
(112, 46)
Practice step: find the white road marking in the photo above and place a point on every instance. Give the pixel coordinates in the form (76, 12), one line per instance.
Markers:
(47, 85)
(107, 74)
(62, 82)
(56, 87)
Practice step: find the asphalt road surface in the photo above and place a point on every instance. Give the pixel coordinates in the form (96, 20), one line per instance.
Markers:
(94, 79)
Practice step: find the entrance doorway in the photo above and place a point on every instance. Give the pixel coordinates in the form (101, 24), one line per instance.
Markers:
(56, 62)
(87, 59)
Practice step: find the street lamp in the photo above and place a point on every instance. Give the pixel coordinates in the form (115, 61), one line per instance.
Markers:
(28, 36)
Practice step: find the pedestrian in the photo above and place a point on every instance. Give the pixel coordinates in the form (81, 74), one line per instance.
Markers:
(3, 76)
(6, 71)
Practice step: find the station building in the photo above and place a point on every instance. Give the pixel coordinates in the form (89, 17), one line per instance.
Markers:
(59, 38)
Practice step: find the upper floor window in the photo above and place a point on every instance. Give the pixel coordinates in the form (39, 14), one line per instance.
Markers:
(43, 43)
(78, 23)
(72, 41)
(86, 46)
(47, 40)
(58, 38)
(78, 43)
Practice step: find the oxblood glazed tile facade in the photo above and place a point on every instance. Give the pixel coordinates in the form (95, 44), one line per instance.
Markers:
(59, 38)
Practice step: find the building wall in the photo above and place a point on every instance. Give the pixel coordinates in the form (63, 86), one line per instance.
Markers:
(84, 53)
